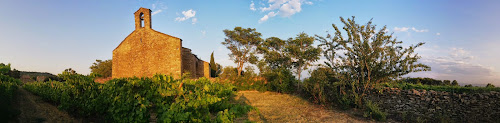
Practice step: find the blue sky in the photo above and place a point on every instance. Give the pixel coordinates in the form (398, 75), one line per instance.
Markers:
(49, 36)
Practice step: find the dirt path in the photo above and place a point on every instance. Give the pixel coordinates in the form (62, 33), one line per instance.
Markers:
(283, 108)
(35, 110)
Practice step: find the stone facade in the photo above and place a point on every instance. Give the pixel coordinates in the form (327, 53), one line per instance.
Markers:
(146, 52)
(436, 106)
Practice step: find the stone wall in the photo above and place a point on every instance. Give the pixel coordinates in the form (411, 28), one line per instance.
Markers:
(193, 65)
(146, 52)
(435, 106)
(202, 69)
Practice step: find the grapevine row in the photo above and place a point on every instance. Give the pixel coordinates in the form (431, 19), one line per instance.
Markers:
(160, 98)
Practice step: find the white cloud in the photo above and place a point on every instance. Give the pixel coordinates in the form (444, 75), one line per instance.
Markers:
(402, 29)
(284, 8)
(438, 33)
(252, 6)
(405, 29)
(187, 14)
(460, 54)
(194, 20)
(266, 17)
(422, 30)
(157, 8)
(458, 65)
(156, 12)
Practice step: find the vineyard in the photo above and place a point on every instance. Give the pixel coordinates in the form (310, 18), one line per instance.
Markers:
(8, 86)
(160, 98)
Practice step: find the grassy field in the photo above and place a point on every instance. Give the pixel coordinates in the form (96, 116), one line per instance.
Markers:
(283, 108)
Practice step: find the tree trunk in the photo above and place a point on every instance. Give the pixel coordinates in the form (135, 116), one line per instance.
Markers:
(240, 67)
(298, 74)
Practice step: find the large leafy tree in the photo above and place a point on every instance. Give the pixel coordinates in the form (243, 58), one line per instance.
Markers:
(102, 68)
(368, 57)
(243, 45)
(276, 64)
(274, 53)
(302, 52)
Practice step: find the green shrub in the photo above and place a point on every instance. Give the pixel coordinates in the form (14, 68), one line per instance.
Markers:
(320, 85)
(281, 80)
(373, 111)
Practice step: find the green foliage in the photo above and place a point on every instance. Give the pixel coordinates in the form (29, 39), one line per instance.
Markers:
(134, 99)
(320, 85)
(274, 54)
(454, 89)
(243, 45)
(4, 69)
(368, 57)
(426, 81)
(302, 52)
(229, 72)
(249, 83)
(373, 111)
(15, 73)
(67, 74)
(489, 85)
(281, 80)
(8, 87)
(213, 66)
(102, 68)
(446, 82)
(469, 85)
(249, 80)
(454, 83)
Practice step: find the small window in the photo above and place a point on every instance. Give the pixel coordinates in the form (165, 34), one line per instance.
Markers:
(141, 16)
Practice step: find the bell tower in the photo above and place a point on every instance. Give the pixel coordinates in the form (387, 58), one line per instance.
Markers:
(142, 18)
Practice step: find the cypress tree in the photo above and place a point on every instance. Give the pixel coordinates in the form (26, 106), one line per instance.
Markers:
(213, 66)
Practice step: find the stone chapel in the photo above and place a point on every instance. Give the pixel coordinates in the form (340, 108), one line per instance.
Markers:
(146, 52)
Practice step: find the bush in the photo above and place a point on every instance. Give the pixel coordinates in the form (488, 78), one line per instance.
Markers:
(373, 111)
(320, 85)
(250, 83)
(281, 80)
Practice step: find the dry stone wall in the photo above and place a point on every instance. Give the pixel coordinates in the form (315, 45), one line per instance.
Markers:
(435, 106)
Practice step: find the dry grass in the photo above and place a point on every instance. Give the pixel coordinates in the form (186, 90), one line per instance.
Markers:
(34, 110)
(282, 108)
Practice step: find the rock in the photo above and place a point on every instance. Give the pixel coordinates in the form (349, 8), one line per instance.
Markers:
(432, 92)
(446, 97)
(416, 92)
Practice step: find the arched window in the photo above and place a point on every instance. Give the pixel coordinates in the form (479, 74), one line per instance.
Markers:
(141, 16)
